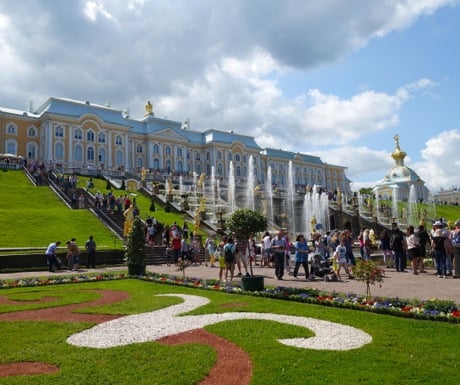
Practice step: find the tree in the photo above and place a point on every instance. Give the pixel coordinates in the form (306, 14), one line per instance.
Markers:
(135, 252)
(244, 222)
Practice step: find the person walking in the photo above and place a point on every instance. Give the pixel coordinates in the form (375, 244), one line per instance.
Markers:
(278, 247)
(51, 258)
(90, 247)
(301, 255)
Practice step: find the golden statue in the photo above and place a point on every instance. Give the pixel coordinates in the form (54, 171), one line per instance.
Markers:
(201, 180)
(202, 208)
(129, 218)
(143, 174)
(170, 187)
(148, 109)
(312, 224)
(196, 222)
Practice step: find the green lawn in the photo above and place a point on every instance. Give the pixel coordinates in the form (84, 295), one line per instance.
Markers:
(402, 351)
(33, 217)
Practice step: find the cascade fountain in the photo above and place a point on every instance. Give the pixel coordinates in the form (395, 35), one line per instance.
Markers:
(394, 204)
(269, 195)
(290, 199)
(412, 210)
(250, 184)
(315, 205)
(231, 198)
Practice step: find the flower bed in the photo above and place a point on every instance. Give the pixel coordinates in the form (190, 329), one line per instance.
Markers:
(430, 309)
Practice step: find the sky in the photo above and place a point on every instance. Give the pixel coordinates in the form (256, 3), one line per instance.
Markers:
(333, 78)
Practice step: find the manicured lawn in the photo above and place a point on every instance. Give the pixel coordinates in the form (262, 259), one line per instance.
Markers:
(403, 351)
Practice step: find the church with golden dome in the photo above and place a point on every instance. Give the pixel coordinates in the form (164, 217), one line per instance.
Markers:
(399, 179)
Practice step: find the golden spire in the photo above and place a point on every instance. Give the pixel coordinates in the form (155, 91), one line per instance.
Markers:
(397, 154)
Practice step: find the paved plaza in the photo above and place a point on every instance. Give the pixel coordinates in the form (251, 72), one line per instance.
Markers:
(395, 284)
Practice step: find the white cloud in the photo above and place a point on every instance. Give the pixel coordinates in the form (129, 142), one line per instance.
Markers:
(441, 162)
(95, 8)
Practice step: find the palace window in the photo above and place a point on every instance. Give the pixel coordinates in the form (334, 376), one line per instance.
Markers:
(101, 137)
(59, 131)
(119, 158)
(156, 149)
(90, 154)
(139, 148)
(119, 140)
(59, 150)
(90, 137)
(78, 154)
(101, 156)
(179, 152)
(11, 147)
(78, 134)
(237, 157)
(219, 155)
(11, 129)
(168, 150)
(32, 132)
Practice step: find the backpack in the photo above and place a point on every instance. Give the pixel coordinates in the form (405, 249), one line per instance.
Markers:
(229, 256)
(456, 238)
(396, 242)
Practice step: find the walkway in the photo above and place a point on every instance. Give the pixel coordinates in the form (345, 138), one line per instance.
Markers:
(403, 285)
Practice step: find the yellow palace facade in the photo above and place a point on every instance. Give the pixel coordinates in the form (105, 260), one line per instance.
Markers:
(80, 135)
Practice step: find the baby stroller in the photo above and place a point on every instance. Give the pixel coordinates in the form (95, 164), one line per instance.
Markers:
(322, 268)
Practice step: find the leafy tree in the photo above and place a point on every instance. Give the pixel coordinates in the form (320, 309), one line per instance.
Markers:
(244, 222)
(135, 251)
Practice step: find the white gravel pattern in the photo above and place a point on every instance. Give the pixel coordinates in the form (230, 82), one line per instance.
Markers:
(165, 322)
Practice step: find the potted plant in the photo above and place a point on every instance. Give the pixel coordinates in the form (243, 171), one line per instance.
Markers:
(135, 251)
(243, 223)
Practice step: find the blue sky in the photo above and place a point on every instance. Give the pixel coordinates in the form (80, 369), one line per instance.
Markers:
(332, 78)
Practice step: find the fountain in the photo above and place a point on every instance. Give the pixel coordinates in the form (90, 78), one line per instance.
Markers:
(251, 184)
(412, 210)
(290, 199)
(231, 198)
(394, 204)
(269, 195)
(315, 205)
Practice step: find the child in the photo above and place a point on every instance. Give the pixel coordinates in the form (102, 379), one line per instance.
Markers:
(340, 256)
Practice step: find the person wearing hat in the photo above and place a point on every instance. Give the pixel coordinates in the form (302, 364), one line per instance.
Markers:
(455, 237)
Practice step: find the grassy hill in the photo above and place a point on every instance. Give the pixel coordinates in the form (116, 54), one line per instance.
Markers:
(32, 217)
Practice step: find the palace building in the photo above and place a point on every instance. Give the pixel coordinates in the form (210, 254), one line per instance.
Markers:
(82, 135)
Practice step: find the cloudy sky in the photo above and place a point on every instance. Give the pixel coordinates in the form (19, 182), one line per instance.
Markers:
(334, 78)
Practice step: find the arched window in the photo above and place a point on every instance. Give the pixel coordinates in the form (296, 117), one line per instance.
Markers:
(168, 164)
(180, 167)
(11, 147)
(119, 140)
(219, 155)
(230, 156)
(238, 171)
(102, 157)
(198, 169)
(59, 150)
(139, 162)
(156, 163)
(101, 137)
(78, 134)
(208, 169)
(119, 158)
(32, 150)
(208, 156)
(197, 156)
(90, 154)
(32, 132)
(179, 152)
(139, 148)
(168, 150)
(156, 149)
(59, 131)
(11, 129)
(237, 157)
(244, 159)
(78, 153)
(219, 169)
(245, 172)
(90, 137)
